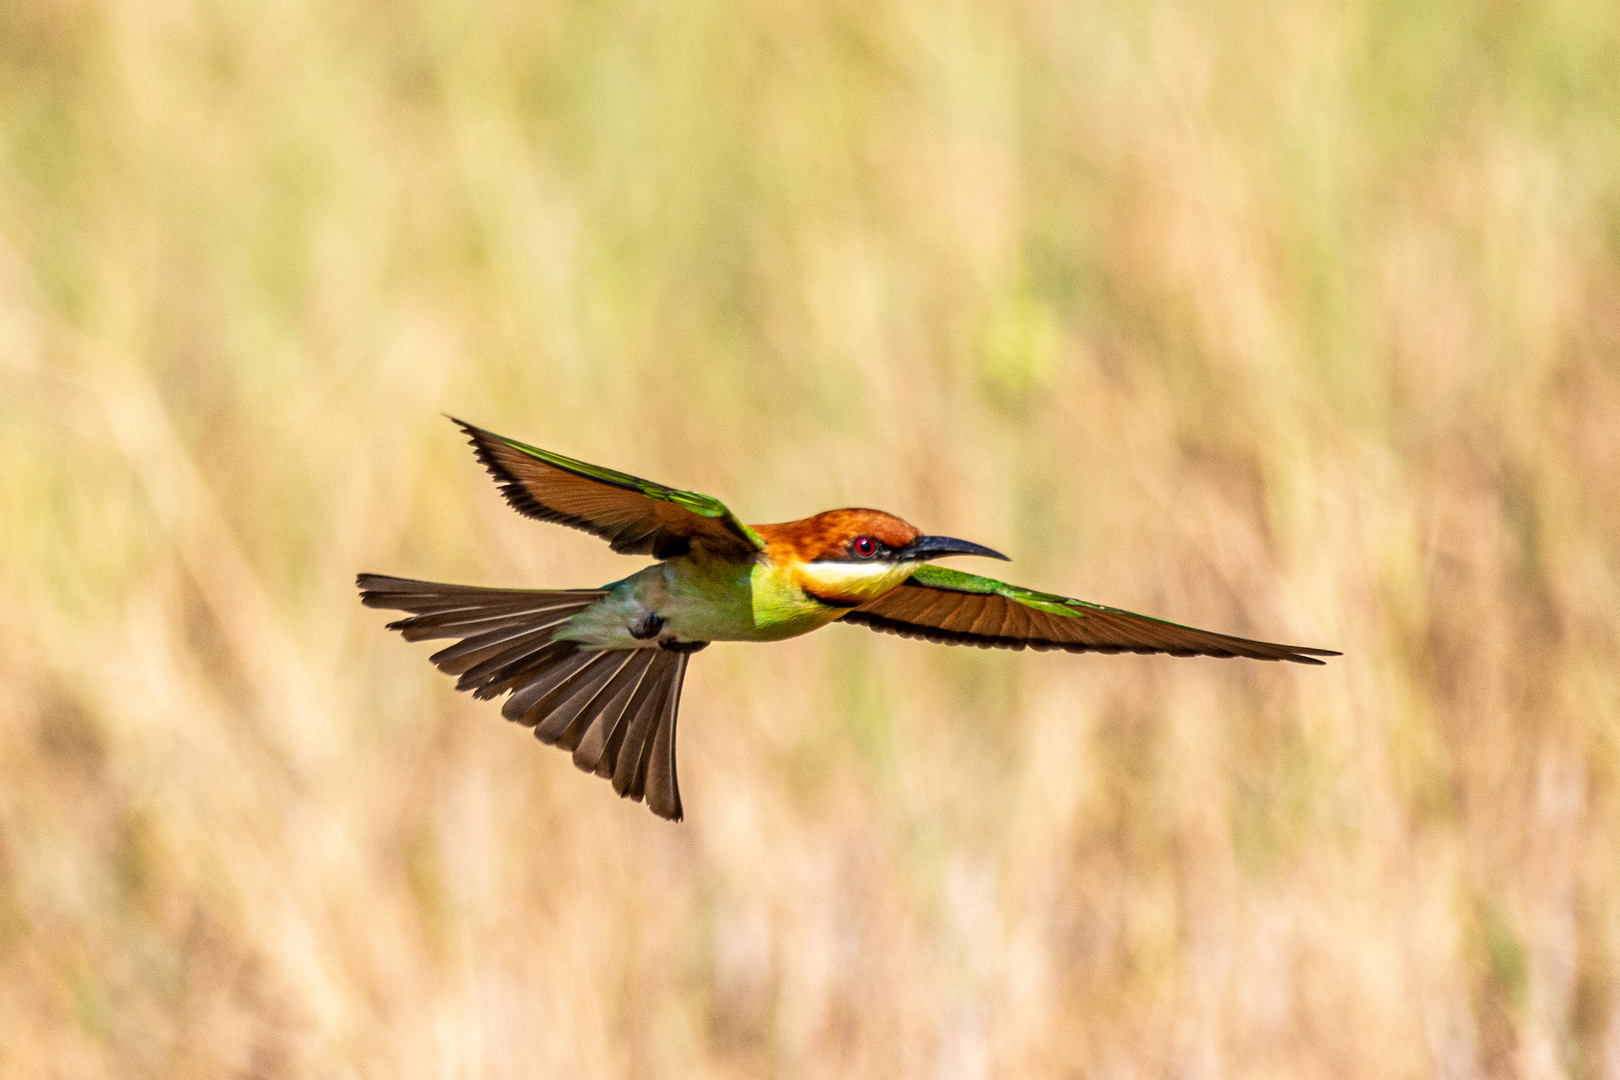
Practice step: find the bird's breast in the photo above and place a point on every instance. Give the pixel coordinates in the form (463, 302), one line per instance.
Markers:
(763, 600)
(734, 601)
(849, 584)
(721, 600)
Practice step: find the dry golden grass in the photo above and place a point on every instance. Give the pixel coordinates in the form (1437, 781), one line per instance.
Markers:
(1294, 321)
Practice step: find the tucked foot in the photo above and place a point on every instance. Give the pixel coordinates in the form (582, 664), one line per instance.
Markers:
(683, 646)
(646, 626)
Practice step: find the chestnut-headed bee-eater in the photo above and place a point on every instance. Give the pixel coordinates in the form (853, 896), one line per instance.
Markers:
(599, 671)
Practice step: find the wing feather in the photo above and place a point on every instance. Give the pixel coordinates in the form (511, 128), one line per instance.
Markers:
(954, 608)
(635, 516)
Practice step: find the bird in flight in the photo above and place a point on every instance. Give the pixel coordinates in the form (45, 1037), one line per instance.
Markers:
(599, 671)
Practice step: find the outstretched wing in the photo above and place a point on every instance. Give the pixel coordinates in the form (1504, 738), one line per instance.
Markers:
(636, 517)
(964, 609)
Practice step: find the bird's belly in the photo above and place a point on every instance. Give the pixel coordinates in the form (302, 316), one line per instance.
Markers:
(700, 602)
(737, 602)
(742, 611)
(740, 623)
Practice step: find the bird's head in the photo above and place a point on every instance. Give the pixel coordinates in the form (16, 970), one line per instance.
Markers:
(851, 556)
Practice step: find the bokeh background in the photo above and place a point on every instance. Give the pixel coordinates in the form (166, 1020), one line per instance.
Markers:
(1293, 320)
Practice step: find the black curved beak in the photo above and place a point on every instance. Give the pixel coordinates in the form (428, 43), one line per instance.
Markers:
(935, 547)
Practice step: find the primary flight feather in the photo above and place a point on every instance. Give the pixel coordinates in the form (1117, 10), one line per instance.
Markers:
(599, 671)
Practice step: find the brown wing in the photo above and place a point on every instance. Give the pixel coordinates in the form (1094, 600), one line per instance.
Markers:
(948, 606)
(635, 516)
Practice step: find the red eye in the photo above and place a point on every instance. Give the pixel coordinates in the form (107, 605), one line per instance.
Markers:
(865, 546)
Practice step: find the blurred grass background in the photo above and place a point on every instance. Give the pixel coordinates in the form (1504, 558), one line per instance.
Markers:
(1298, 321)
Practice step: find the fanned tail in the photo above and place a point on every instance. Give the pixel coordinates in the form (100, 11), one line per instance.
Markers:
(614, 708)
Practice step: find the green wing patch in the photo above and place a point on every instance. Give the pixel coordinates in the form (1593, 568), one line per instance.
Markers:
(940, 577)
(948, 606)
(635, 516)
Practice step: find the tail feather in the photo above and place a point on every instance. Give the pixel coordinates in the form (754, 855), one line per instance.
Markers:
(615, 709)
(622, 754)
(606, 727)
(581, 700)
(523, 669)
(460, 624)
(633, 770)
(460, 611)
(533, 701)
(630, 777)
(422, 597)
(512, 666)
(472, 651)
(662, 787)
